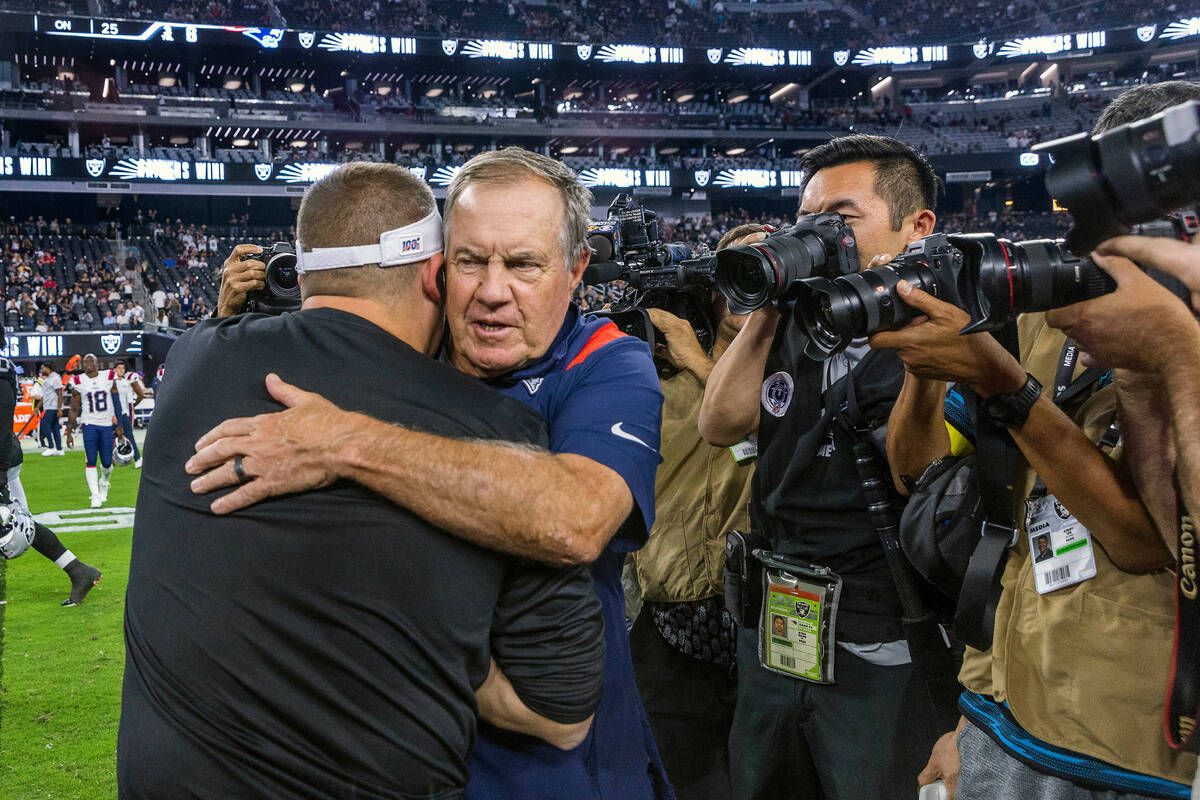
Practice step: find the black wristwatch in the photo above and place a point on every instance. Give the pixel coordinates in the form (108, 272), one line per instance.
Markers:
(1011, 410)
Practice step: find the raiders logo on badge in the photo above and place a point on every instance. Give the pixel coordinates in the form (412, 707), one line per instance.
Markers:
(777, 394)
(1061, 510)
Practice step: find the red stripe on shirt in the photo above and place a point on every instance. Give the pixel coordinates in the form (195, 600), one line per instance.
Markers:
(607, 332)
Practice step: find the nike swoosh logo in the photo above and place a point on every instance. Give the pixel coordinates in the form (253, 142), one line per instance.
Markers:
(616, 431)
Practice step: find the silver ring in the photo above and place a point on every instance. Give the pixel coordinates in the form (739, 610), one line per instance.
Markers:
(237, 470)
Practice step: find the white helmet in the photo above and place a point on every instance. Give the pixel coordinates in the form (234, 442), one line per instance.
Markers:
(123, 452)
(16, 531)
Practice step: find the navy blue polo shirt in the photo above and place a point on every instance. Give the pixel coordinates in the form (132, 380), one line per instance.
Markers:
(598, 392)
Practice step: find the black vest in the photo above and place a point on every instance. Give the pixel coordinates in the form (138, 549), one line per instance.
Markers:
(806, 495)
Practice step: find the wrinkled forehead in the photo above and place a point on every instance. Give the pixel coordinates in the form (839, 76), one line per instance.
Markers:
(506, 216)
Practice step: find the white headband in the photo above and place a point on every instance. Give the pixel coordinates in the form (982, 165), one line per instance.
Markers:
(407, 245)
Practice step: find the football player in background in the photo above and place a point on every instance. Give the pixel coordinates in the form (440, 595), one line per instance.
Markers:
(129, 392)
(83, 576)
(91, 403)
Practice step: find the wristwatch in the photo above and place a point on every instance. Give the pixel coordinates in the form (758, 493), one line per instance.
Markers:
(1011, 410)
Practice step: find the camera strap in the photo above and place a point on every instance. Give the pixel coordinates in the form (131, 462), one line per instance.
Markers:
(995, 464)
(1066, 389)
(1183, 692)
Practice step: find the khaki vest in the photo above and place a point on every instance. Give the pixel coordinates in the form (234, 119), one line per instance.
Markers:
(1085, 667)
(700, 492)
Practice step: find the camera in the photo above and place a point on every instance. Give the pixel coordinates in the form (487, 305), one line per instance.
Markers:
(992, 279)
(752, 275)
(1131, 174)
(282, 290)
(627, 246)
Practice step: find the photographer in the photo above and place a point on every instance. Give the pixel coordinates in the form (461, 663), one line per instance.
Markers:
(516, 244)
(1068, 699)
(332, 644)
(684, 640)
(1160, 384)
(867, 733)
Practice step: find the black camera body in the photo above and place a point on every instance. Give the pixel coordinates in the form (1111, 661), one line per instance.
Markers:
(753, 275)
(627, 246)
(282, 290)
(1132, 174)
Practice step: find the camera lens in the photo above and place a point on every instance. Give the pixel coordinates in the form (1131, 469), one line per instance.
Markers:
(1035, 276)
(746, 277)
(283, 280)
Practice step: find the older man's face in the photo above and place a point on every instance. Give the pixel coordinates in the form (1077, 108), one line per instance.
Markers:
(507, 284)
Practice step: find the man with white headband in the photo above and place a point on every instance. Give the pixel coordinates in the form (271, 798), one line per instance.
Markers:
(330, 643)
(516, 247)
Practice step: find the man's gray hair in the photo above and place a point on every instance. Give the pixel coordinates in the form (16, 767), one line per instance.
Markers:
(516, 163)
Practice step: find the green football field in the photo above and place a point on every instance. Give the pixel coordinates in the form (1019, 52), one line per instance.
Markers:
(60, 668)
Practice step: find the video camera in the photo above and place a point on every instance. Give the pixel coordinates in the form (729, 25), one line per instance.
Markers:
(282, 290)
(992, 279)
(627, 246)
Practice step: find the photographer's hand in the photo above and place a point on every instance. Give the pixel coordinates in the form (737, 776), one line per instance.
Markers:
(238, 279)
(1140, 326)
(931, 347)
(944, 762)
(683, 348)
(1180, 259)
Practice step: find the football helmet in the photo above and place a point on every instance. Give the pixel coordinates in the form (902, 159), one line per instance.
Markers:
(16, 531)
(123, 452)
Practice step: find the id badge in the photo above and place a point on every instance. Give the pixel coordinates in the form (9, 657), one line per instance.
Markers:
(797, 625)
(1061, 548)
(745, 450)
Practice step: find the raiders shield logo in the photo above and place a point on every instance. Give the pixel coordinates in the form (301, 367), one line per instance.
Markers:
(94, 167)
(307, 38)
(262, 171)
(702, 176)
(777, 394)
(714, 55)
(980, 49)
(110, 343)
(840, 57)
(449, 46)
(584, 51)
(1146, 33)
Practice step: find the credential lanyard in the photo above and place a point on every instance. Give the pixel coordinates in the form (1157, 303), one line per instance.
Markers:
(1183, 693)
(1064, 388)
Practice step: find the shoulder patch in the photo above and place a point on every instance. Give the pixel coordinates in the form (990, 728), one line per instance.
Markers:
(608, 332)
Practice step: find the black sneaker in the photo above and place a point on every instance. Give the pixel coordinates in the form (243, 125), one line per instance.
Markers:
(83, 578)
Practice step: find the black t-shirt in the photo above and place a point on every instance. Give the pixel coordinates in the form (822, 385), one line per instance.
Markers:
(327, 644)
(806, 494)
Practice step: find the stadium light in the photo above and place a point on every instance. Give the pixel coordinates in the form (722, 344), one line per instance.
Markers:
(572, 92)
(241, 142)
(684, 96)
(300, 144)
(489, 93)
(735, 151)
(166, 81)
(383, 91)
(783, 91)
(739, 97)
(668, 151)
(297, 86)
(232, 84)
(569, 149)
(178, 140)
(434, 91)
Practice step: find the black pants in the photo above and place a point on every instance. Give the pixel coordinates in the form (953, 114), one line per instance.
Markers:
(690, 704)
(867, 736)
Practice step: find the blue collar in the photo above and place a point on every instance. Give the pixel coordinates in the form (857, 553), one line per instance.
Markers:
(559, 349)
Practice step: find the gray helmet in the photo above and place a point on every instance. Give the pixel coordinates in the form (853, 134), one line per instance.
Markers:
(16, 531)
(123, 452)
